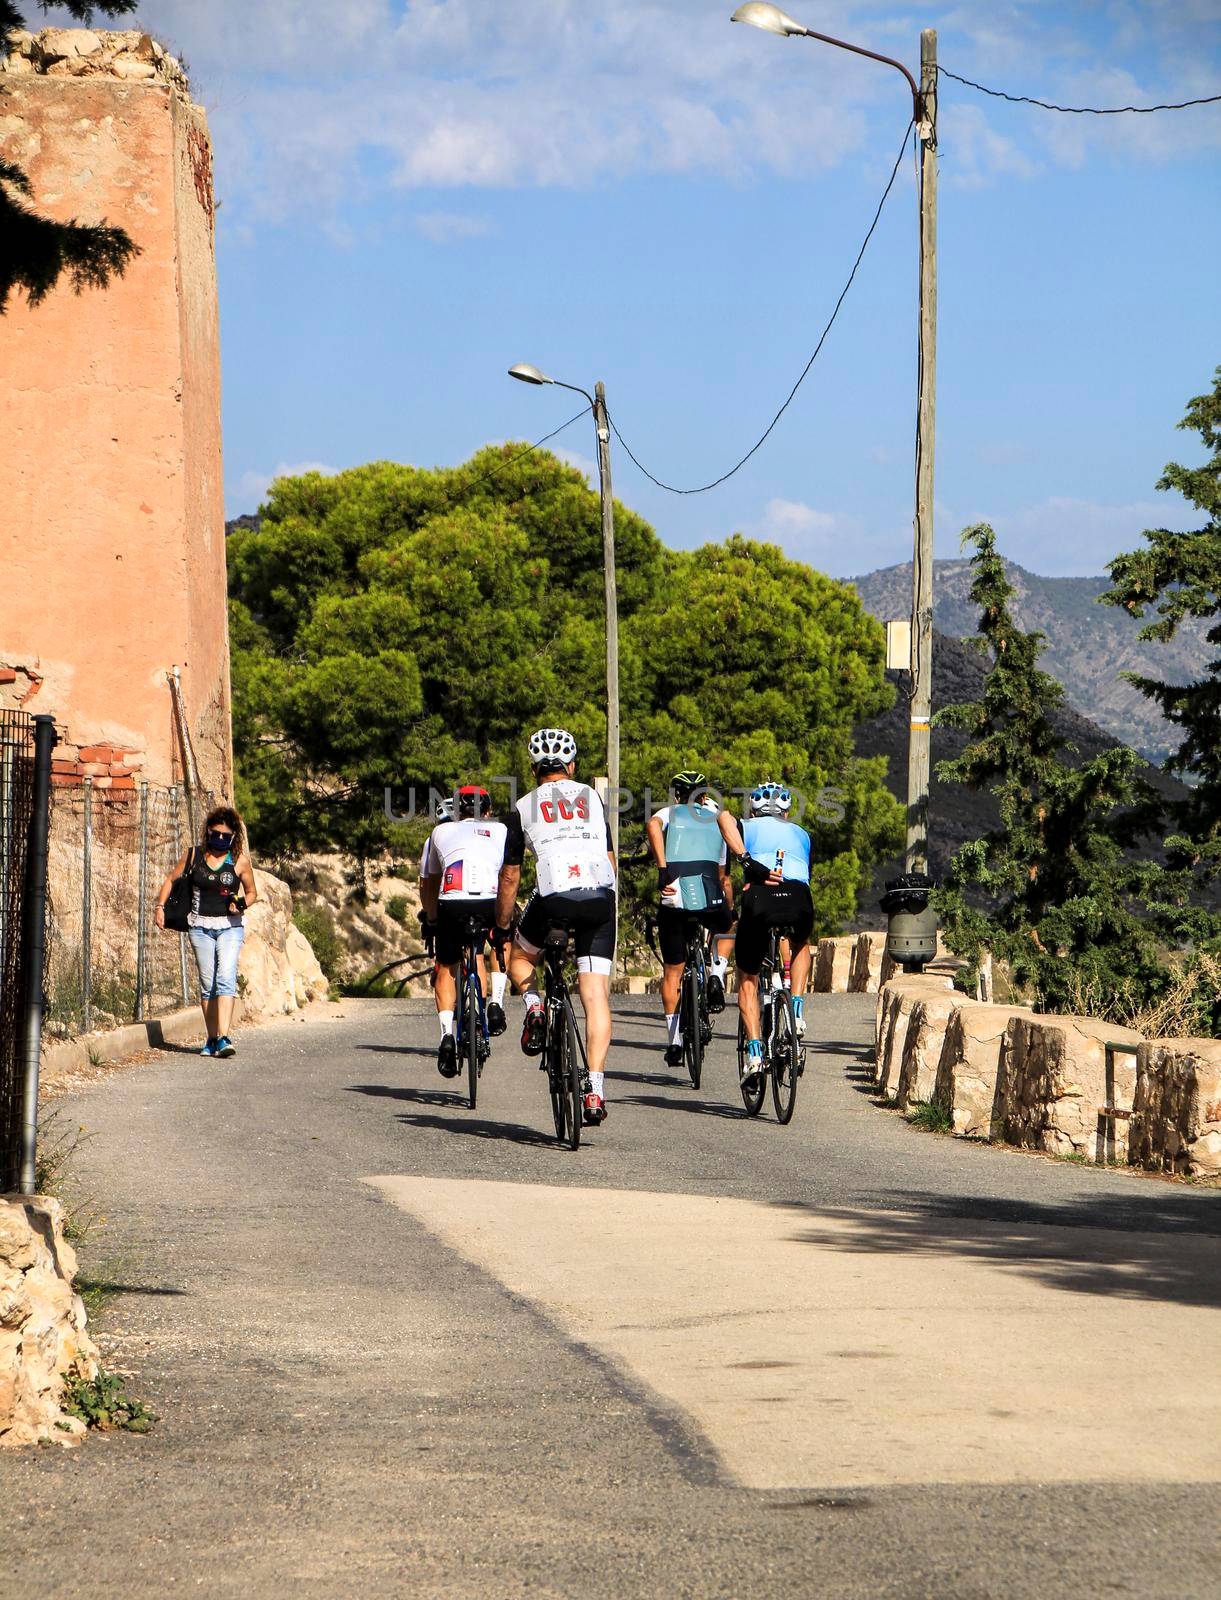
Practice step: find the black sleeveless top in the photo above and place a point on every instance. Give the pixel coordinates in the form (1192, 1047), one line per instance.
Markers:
(207, 882)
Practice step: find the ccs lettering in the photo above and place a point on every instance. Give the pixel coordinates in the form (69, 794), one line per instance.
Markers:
(567, 810)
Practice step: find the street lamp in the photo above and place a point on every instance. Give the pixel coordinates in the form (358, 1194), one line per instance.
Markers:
(525, 373)
(771, 19)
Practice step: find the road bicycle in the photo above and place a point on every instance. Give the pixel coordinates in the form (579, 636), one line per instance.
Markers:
(783, 1051)
(473, 1039)
(695, 1018)
(563, 1052)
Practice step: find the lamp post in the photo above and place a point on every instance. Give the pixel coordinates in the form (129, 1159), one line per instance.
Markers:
(525, 373)
(924, 110)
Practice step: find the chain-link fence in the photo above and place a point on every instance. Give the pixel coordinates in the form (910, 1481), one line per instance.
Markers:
(16, 809)
(110, 852)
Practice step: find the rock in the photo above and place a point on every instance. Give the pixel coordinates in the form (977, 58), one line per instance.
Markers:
(971, 1070)
(1176, 1108)
(922, 1046)
(895, 1004)
(866, 971)
(278, 971)
(60, 44)
(832, 964)
(42, 1323)
(131, 69)
(1058, 1079)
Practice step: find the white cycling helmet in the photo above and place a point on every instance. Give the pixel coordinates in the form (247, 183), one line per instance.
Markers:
(769, 800)
(552, 744)
(443, 810)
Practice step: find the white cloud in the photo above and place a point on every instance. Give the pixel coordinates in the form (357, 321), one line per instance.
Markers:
(450, 227)
(574, 458)
(508, 93)
(250, 490)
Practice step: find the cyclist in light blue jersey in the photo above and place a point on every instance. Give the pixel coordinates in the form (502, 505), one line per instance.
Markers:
(777, 895)
(690, 841)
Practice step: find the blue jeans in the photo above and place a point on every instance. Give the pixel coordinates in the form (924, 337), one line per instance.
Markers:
(216, 952)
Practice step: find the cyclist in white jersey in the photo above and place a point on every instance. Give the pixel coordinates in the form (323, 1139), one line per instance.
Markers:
(564, 824)
(459, 877)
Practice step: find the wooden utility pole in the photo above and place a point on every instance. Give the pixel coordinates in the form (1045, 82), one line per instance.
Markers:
(922, 564)
(612, 611)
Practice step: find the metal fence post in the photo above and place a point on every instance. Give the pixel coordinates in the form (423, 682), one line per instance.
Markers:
(34, 934)
(87, 912)
(182, 938)
(142, 899)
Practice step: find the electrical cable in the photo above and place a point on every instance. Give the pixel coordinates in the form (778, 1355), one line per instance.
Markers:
(469, 488)
(1078, 111)
(704, 487)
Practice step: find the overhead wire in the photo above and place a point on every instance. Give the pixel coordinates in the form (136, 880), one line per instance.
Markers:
(1078, 111)
(713, 483)
(469, 488)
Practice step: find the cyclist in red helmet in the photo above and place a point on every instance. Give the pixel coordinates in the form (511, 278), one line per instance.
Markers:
(459, 874)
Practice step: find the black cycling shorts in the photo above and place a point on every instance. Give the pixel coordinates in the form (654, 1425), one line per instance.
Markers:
(452, 918)
(674, 925)
(769, 905)
(591, 912)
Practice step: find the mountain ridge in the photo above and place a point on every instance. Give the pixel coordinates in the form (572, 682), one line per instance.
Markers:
(1088, 645)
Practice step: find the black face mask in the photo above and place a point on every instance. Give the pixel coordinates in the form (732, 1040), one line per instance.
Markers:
(219, 843)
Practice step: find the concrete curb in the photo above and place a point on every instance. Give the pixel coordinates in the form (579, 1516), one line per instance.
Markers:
(116, 1044)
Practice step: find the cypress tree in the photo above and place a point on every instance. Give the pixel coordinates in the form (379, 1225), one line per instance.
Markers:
(1049, 892)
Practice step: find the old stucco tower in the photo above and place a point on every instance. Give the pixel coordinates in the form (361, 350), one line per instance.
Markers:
(111, 509)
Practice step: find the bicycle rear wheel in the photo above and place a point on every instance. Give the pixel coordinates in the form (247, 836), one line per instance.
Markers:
(470, 1043)
(752, 1092)
(785, 1052)
(693, 1037)
(574, 1065)
(554, 1057)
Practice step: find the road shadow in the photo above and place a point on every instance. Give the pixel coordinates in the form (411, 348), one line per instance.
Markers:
(427, 1097)
(707, 1108)
(477, 1128)
(401, 1050)
(1147, 1246)
(654, 1080)
(863, 1081)
(85, 1285)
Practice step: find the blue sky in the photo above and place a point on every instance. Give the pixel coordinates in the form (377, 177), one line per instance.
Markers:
(414, 196)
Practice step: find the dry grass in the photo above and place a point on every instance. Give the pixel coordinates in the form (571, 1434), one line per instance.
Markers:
(1175, 1015)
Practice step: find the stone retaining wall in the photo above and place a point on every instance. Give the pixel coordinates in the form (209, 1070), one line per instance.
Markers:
(1176, 1109)
(1071, 1086)
(972, 1067)
(832, 965)
(42, 1323)
(1061, 1082)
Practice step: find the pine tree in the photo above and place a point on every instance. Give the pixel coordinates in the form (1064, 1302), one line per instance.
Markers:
(1050, 891)
(1179, 575)
(36, 252)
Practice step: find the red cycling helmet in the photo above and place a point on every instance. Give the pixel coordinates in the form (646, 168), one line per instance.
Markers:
(474, 801)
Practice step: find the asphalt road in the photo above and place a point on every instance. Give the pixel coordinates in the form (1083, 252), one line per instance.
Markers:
(406, 1349)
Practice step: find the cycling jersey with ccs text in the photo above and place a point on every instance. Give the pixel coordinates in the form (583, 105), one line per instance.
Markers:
(565, 825)
(467, 855)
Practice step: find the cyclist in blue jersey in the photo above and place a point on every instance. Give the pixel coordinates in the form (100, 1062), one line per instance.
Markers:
(777, 894)
(690, 841)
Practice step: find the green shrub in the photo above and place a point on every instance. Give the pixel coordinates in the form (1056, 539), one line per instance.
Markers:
(398, 908)
(103, 1402)
(318, 926)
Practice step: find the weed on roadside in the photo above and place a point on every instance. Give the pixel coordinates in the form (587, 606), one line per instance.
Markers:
(932, 1116)
(102, 1402)
(59, 1141)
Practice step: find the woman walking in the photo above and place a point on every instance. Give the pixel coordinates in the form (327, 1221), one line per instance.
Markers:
(222, 888)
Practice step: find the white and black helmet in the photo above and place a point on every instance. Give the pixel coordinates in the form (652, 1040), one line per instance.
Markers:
(552, 744)
(769, 800)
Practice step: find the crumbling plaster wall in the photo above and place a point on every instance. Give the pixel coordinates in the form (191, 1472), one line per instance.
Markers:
(111, 504)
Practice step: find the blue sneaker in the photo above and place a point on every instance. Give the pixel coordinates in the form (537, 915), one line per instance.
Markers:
(208, 1048)
(225, 1046)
